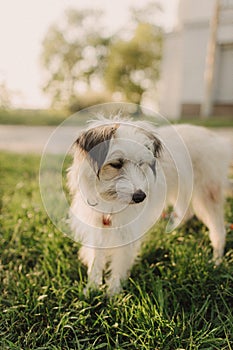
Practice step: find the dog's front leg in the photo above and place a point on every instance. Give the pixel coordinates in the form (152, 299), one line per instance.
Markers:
(122, 259)
(95, 261)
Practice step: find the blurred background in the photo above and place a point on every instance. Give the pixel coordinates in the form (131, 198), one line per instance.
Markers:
(58, 57)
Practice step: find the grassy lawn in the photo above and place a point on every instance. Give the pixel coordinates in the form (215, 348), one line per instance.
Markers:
(175, 298)
(31, 117)
(47, 117)
(212, 122)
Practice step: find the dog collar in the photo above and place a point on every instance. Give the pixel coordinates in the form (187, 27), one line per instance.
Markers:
(107, 220)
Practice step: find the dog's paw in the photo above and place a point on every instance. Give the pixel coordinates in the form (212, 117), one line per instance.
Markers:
(218, 256)
(114, 289)
(217, 261)
(92, 288)
(86, 291)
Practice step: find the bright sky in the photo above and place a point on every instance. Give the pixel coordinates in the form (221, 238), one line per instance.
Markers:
(23, 25)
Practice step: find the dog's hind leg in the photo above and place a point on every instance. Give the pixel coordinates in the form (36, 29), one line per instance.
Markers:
(209, 208)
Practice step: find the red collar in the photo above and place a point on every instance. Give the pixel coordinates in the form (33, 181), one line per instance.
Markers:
(107, 220)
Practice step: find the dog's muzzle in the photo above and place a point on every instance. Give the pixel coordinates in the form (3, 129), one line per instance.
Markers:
(138, 196)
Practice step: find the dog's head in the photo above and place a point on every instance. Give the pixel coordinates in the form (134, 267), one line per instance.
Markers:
(118, 161)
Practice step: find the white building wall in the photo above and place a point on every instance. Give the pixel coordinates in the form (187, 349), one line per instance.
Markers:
(223, 84)
(184, 61)
(194, 60)
(170, 88)
(195, 11)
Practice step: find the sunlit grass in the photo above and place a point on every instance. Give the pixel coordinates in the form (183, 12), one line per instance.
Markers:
(53, 118)
(175, 298)
(212, 121)
(31, 117)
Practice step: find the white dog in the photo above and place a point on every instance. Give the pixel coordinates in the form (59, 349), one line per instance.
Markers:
(125, 173)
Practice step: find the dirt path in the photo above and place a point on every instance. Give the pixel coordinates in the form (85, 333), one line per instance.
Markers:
(29, 139)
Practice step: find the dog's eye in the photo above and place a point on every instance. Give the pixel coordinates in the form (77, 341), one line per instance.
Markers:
(117, 164)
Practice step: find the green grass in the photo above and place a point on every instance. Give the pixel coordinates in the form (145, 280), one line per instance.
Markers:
(175, 298)
(48, 117)
(212, 122)
(31, 117)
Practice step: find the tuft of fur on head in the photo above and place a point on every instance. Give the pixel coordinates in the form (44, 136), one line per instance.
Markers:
(96, 139)
(145, 127)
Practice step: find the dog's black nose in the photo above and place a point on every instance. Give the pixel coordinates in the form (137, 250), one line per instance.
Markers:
(138, 196)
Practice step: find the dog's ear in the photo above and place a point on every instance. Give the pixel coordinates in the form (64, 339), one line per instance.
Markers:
(157, 145)
(154, 144)
(157, 148)
(95, 142)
